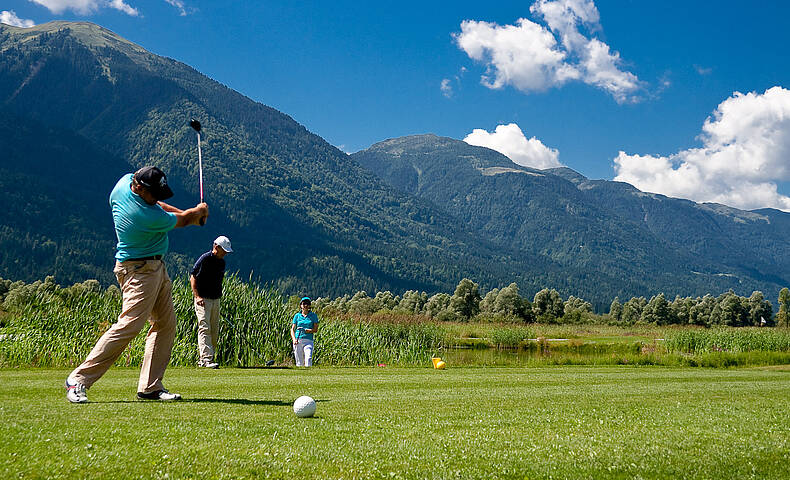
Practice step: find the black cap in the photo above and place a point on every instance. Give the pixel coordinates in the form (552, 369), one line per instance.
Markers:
(155, 181)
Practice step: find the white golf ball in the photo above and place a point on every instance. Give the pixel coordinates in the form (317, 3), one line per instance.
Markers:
(304, 406)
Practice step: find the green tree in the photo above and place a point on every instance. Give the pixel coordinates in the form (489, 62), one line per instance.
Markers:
(413, 301)
(783, 317)
(702, 311)
(361, 303)
(548, 304)
(385, 301)
(681, 309)
(574, 304)
(341, 304)
(509, 303)
(616, 310)
(487, 303)
(729, 310)
(632, 310)
(657, 311)
(760, 310)
(465, 302)
(437, 304)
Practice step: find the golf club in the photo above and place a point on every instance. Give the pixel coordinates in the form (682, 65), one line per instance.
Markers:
(196, 126)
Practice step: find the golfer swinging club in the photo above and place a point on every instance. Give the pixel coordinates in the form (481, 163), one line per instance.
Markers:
(142, 221)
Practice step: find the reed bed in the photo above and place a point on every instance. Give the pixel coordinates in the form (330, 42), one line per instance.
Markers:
(58, 327)
(510, 337)
(347, 342)
(254, 328)
(728, 340)
(52, 326)
(46, 325)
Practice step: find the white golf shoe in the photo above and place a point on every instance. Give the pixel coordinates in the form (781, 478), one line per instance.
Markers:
(208, 364)
(161, 395)
(75, 392)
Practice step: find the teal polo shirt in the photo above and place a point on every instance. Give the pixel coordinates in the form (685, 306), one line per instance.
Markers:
(141, 228)
(302, 321)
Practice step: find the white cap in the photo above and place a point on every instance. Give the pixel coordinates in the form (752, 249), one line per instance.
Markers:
(223, 242)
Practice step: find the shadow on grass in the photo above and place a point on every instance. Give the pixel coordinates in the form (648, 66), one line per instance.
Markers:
(236, 401)
(264, 367)
(231, 401)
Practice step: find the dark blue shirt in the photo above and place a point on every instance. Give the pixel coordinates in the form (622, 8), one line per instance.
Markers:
(208, 272)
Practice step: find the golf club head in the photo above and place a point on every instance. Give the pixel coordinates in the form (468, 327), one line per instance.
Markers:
(195, 124)
(270, 363)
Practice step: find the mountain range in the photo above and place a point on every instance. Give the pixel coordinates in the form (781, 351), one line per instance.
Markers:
(80, 106)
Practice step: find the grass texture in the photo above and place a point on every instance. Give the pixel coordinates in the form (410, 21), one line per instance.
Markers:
(410, 423)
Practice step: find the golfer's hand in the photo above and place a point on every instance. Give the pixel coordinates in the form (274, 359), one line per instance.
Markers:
(203, 212)
(200, 301)
(296, 342)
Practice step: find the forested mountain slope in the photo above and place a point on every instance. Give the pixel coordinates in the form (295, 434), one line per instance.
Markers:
(82, 106)
(608, 229)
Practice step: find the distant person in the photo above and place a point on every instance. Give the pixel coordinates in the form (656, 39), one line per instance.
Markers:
(206, 281)
(303, 326)
(142, 221)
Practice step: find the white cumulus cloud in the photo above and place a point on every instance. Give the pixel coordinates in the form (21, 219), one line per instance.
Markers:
(124, 7)
(510, 141)
(745, 152)
(532, 57)
(9, 17)
(524, 55)
(86, 7)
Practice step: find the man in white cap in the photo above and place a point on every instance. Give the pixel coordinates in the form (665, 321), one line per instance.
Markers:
(206, 281)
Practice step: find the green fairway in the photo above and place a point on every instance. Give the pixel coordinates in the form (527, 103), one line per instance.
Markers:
(549, 422)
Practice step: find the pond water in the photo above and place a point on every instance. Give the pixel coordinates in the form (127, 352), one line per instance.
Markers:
(549, 354)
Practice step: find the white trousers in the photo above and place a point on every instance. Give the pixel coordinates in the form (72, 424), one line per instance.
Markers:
(303, 352)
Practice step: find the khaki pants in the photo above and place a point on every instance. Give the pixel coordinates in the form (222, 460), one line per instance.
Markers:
(208, 328)
(147, 297)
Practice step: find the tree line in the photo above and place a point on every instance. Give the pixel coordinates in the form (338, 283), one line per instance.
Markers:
(505, 304)
(547, 306)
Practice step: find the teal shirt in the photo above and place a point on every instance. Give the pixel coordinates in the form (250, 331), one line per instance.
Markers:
(141, 228)
(304, 322)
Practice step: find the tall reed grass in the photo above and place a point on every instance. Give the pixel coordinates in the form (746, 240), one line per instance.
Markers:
(348, 342)
(510, 336)
(58, 327)
(53, 326)
(46, 325)
(728, 340)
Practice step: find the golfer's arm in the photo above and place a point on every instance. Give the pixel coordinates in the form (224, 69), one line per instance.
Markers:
(191, 216)
(193, 283)
(314, 329)
(293, 332)
(169, 208)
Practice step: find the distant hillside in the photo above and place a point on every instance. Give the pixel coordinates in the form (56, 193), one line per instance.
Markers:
(618, 239)
(80, 106)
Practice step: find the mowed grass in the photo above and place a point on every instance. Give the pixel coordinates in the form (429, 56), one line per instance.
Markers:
(506, 422)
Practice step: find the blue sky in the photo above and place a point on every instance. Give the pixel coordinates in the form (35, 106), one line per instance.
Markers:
(632, 90)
